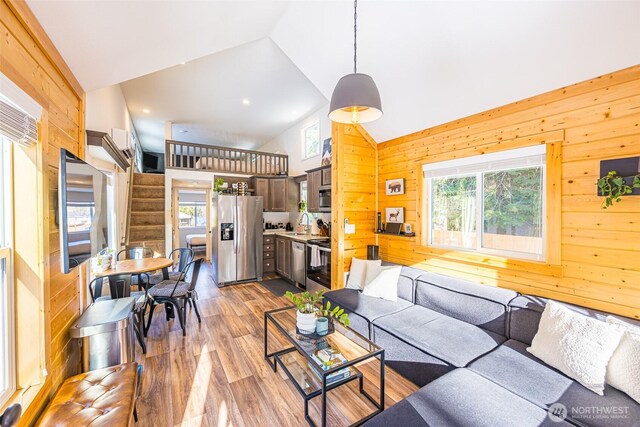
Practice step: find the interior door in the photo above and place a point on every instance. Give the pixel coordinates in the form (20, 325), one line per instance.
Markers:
(246, 254)
(227, 239)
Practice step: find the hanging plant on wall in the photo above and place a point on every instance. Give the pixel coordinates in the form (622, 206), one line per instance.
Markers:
(613, 187)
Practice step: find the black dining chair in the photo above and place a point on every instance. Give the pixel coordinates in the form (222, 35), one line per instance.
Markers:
(119, 286)
(137, 252)
(11, 415)
(177, 293)
(185, 256)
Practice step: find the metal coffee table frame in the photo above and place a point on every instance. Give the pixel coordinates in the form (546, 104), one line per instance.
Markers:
(277, 360)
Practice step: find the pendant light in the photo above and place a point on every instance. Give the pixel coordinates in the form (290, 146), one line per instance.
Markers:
(356, 98)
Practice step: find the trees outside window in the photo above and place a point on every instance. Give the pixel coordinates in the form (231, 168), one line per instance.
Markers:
(494, 205)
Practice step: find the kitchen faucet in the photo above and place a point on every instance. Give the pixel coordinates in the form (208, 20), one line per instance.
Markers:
(307, 226)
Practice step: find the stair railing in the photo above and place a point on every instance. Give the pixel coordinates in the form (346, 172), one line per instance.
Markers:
(127, 229)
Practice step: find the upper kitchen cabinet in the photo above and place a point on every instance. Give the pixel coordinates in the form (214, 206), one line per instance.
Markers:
(316, 178)
(326, 176)
(279, 194)
(261, 187)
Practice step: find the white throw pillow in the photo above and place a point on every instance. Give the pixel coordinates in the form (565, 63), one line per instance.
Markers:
(358, 272)
(382, 282)
(623, 371)
(575, 344)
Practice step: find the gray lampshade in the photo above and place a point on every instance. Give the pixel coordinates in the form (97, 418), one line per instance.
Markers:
(355, 90)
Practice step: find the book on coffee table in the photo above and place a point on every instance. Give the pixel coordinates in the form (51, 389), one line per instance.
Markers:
(329, 358)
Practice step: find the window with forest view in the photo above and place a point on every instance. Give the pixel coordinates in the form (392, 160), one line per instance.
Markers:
(494, 203)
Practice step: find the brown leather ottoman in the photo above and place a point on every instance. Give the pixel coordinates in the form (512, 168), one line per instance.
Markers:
(104, 397)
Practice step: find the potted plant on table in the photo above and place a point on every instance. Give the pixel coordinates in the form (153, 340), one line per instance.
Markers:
(308, 310)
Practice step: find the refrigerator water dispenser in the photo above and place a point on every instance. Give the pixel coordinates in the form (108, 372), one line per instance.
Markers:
(226, 231)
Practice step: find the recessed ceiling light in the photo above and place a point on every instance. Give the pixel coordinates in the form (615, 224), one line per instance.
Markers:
(246, 102)
(183, 131)
(146, 110)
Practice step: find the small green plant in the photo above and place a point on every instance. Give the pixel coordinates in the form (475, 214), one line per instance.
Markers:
(308, 303)
(337, 313)
(305, 301)
(217, 185)
(613, 187)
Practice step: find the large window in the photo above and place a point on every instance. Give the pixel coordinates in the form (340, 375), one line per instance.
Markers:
(311, 141)
(493, 203)
(7, 379)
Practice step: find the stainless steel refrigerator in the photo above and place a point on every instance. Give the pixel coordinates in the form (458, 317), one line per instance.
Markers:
(236, 239)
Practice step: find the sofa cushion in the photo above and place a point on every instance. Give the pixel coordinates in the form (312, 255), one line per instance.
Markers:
(415, 365)
(479, 305)
(464, 398)
(370, 308)
(451, 340)
(526, 310)
(407, 281)
(512, 367)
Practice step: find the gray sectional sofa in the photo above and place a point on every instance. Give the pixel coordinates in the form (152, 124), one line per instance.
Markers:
(465, 344)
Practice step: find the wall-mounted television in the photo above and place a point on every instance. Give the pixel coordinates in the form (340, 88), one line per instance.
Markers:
(83, 212)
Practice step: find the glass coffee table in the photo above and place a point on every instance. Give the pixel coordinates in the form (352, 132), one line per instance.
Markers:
(302, 360)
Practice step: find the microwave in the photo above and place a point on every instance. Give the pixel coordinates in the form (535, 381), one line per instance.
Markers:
(325, 198)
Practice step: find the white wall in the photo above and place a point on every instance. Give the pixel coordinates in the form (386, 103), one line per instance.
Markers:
(105, 109)
(290, 142)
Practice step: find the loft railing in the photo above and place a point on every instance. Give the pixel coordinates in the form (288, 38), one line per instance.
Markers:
(187, 155)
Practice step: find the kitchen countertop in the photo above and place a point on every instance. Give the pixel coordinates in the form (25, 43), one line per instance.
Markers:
(292, 235)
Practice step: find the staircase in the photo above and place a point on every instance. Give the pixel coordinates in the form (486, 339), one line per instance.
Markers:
(146, 227)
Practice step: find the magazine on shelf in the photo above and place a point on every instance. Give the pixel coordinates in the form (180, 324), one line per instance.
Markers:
(329, 358)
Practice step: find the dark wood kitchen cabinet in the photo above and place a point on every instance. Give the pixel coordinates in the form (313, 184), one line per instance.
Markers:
(314, 180)
(278, 195)
(326, 176)
(283, 257)
(261, 187)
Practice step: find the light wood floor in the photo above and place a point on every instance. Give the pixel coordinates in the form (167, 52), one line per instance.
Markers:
(217, 376)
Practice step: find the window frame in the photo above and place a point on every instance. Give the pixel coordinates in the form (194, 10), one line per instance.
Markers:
(304, 141)
(553, 215)
(479, 220)
(195, 205)
(6, 255)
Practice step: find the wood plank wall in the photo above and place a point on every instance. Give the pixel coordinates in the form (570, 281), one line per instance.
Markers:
(353, 185)
(28, 58)
(600, 249)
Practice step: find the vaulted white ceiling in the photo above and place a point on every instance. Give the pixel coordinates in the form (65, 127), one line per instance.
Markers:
(433, 61)
(204, 98)
(106, 42)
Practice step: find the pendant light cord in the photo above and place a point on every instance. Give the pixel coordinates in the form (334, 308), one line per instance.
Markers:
(355, 36)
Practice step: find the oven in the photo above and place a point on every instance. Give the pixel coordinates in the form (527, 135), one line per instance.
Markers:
(324, 204)
(318, 265)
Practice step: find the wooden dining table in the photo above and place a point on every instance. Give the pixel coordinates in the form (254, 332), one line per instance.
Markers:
(141, 266)
(138, 266)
